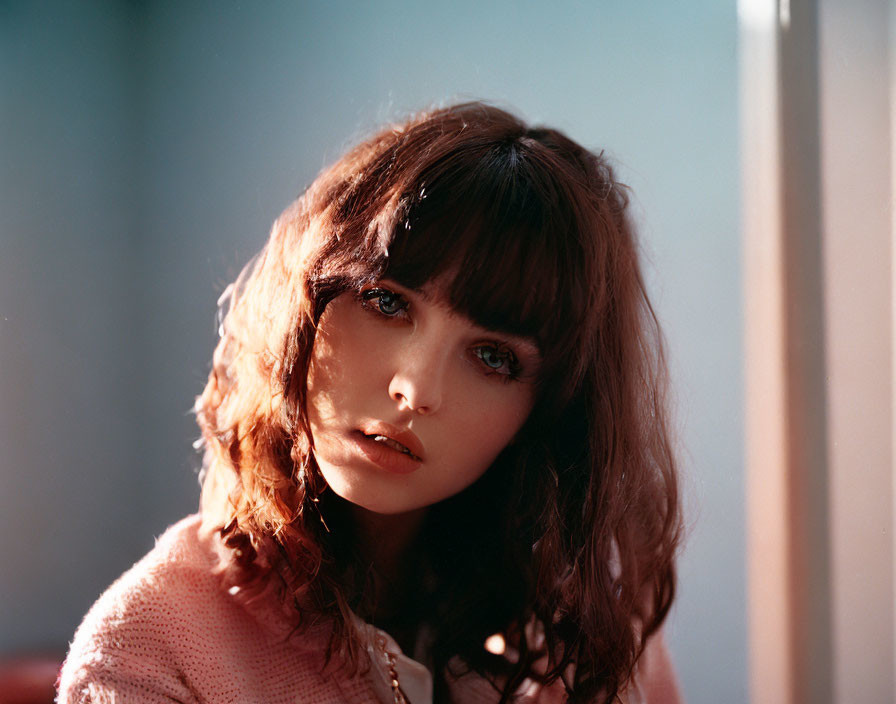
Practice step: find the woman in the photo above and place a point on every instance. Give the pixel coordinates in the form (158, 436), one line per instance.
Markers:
(437, 466)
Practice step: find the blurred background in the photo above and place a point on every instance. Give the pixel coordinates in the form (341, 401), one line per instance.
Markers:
(147, 147)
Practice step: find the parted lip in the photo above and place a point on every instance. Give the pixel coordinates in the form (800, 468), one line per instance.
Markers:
(402, 436)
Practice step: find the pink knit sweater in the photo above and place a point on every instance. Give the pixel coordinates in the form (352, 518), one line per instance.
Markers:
(167, 631)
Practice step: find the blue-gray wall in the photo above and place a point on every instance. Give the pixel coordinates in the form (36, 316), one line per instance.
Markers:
(145, 149)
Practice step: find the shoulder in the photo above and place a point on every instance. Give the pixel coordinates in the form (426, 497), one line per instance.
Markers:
(168, 630)
(165, 585)
(153, 621)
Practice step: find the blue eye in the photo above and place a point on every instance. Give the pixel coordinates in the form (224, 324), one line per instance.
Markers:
(388, 302)
(499, 360)
(490, 357)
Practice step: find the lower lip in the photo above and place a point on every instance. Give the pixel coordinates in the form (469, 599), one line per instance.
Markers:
(383, 456)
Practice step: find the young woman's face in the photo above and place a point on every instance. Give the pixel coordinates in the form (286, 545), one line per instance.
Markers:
(409, 403)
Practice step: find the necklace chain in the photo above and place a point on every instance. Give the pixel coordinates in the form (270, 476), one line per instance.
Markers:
(398, 696)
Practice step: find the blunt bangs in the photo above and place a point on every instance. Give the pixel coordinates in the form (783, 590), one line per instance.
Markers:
(499, 228)
(509, 223)
(491, 229)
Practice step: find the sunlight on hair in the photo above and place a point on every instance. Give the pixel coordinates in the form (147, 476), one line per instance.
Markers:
(495, 644)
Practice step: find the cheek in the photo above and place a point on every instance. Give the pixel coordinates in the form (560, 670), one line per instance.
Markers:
(487, 425)
(328, 370)
(334, 357)
(323, 377)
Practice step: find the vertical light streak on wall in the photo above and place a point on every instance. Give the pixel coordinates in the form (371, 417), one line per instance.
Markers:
(857, 200)
(806, 387)
(820, 263)
(787, 466)
(891, 64)
(784, 13)
(771, 647)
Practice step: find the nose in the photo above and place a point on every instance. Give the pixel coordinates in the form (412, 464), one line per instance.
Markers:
(418, 383)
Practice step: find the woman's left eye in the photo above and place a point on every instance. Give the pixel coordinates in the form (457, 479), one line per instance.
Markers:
(498, 360)
(386, 302)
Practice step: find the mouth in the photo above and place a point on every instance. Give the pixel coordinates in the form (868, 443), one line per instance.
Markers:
(391, 448)
(403, 440)
(394, 444)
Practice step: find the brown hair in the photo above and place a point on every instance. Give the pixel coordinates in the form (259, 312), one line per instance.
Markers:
(573, 530)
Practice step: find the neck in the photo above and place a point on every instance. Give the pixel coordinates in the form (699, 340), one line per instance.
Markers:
(385, 541)
(387, 544)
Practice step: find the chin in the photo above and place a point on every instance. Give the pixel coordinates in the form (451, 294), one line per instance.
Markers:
(386, 506)
(386, 500)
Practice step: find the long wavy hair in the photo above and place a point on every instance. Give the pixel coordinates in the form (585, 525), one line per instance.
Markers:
(572, 532)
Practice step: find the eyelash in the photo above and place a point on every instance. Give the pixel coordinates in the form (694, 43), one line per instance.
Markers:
(368, 296)
(378, 294)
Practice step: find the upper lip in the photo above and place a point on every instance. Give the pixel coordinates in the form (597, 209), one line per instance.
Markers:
(404, 436)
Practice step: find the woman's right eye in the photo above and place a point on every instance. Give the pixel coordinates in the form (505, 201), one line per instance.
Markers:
(384, 301)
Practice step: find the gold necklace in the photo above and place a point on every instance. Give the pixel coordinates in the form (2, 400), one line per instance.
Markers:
(398, 696)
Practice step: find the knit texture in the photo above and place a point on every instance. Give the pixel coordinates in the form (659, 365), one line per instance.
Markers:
(167, 631)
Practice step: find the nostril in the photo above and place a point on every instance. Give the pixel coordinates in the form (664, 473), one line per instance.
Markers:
(418, 388)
